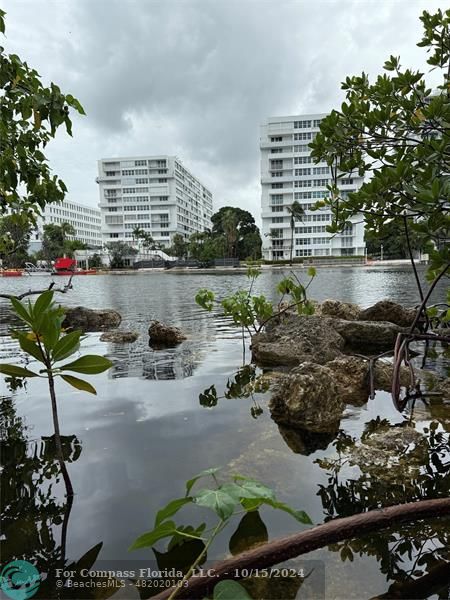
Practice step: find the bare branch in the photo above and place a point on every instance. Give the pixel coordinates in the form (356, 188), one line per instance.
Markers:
(63, 290)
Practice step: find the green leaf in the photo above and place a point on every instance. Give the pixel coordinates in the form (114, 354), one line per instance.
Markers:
(251, 489)
(311, 272)
(43, 302)
(79, 384)
(16, 371)
(221, 501)
(91, 364)
(299, 515)
(206, 472)
(30, 347)
(166, 529)
(66, 346)
(21, 311)
(228, 589)
(170, 509)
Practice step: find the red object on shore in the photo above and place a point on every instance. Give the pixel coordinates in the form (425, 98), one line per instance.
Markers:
(11, 273)
(68, 266)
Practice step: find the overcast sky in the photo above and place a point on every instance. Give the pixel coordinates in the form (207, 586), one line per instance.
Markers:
(196, 78)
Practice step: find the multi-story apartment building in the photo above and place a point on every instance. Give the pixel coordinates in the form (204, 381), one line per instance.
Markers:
(155, 193)
(85, 220)
(288, 173)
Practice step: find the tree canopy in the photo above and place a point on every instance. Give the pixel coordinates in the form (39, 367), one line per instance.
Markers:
(242, 237)
(395, 129)
(30, 114)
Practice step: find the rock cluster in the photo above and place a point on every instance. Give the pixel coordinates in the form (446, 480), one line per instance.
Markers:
(87, 319)
(119, 337)
(167, 335)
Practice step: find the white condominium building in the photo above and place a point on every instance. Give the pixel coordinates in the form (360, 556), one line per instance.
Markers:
(156, 194)
(288, 173)
(85, 220)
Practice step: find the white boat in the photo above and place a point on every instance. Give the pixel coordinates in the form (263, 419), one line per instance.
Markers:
(31, 269)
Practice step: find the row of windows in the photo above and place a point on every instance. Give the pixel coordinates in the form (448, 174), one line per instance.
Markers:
(317, 241)
(306, 195)
(287, 149)
(311, 229)
(307, 124)
(312, 183)
(316, 217)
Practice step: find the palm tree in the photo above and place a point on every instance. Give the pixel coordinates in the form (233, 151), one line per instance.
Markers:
(296, 213)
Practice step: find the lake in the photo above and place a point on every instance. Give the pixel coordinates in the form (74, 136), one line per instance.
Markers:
(131, 448)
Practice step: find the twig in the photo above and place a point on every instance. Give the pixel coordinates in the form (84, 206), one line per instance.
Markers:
(63, 290)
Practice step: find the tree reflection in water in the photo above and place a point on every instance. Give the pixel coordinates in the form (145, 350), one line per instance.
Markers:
(32, 512)
(417, 559)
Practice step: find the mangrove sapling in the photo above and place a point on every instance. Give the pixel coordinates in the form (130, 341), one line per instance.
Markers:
(251, 312)
(240, 495)
(44, 340)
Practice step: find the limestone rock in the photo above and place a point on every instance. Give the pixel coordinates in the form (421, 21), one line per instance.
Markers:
(339, 310)
(167, 335)
(119, 337)
(88, 319)
(296, 339)
(385, 310)
(367, 336)
(307, 398)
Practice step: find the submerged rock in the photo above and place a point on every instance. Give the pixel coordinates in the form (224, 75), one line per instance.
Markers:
(308, 398)
(119, 337)
(339, 310)
(88, 319)
(385, 310)
(304, 441)
(165, 335)
(296, 339)
(392, 454)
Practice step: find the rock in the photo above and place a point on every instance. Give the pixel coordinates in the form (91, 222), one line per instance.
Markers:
(385, 310)
(443, 388)
(119, 337)
(87, 319)
(392, 453)
(296, 339)
(339, 310)
(307, 398)
(367, 336)
(166, 335)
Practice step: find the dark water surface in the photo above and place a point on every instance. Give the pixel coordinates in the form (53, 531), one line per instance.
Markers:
(131, 447)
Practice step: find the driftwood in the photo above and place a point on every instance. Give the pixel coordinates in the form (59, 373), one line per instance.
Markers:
(63, 290)
(294, 545)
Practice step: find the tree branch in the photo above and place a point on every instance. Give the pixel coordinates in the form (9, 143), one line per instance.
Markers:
(63, 290)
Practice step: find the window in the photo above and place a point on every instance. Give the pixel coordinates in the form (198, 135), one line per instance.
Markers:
(276, 139)
(302, 195)
(276, 150)
(304, 135)
(304, 252)
(276, 233)
(346, 181)
(321, 171)
(301, 172)
(302, 160)
(277, 208)
(302, 124)
(277, 173)
(140, 163)
(277, 219)
(302, 148)
(276, 198)
(162, 180)
(304, 183)
(320, 182)
(317, 122)
(141, 180)
(276, 186)
(113, 235)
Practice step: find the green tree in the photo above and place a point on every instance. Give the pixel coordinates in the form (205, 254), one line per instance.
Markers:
(394, 242)
(120, 253)
(396, 130)
(30, 116)
(296, 213)
(15, 233)
(180, 247)
(241, 233)
(71, 246)
(204, 246)
(55, 240)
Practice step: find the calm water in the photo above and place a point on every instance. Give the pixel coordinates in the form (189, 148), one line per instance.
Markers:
(131, 448)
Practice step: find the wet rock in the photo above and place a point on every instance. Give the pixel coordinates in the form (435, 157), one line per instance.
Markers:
(391, 454)
(339, 310)
(165, 335)
(443, 388)
(385, 310)
(88, 319)
(367, 336)
(119, 337)
(307, 398)
(296, 339)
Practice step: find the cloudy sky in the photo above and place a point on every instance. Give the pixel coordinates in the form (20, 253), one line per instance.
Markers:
(196, 78)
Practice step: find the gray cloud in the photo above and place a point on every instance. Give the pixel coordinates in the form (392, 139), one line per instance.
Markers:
(196, 79)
